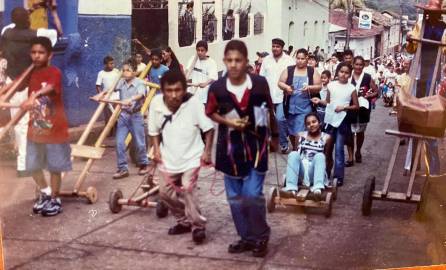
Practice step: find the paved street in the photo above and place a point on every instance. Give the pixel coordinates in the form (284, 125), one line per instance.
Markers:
(91, 237)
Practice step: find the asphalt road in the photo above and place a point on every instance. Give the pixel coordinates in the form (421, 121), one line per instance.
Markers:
(87, 236)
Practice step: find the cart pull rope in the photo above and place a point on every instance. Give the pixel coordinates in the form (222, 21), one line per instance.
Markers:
(2, 258)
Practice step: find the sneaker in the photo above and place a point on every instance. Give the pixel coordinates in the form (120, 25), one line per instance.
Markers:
(340, 182)
(53, 208)
(143, 170)
(179, 229)
(198, 235)
(260, 249)
(317, 195)
(240, 246)
(121, 174)
(41, 202)
(284, 149)
(348, 164)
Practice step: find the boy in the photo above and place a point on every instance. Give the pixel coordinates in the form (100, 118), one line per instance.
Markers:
(141, 65)
(176, 120)
(132, 92)
(48, 139)
(241, 104)
(106, 80)
(203, 73)
(157, 70)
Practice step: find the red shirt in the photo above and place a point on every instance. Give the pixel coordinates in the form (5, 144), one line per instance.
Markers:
(48, 122)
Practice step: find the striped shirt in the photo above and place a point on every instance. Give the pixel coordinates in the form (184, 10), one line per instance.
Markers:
(309, 148)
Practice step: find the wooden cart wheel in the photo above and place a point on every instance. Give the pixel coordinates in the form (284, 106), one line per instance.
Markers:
(271, 200)
(113, 201)
(161, 210)
(92, 195)
(329, 206)
(367, 196)
(334, 189)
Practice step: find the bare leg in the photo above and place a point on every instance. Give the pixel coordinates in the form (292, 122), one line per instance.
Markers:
(359, 142)
(39, 178)
(56, 179)
(350, 142)
(293, 142)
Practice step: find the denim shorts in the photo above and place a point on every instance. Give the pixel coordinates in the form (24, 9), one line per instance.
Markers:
(53, 157)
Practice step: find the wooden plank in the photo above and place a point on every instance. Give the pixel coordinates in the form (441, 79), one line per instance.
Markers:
(396, 197)
(302, 194)
(391, 166)
(436, 69)
(409, 135)
(414, 169)
(429, 41)
(84, 151)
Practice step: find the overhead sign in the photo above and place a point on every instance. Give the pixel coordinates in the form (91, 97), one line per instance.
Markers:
(365, 20)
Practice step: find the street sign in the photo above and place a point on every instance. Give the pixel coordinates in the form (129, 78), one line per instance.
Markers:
(365, 20)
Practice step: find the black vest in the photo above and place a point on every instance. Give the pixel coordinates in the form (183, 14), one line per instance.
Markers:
(289, 81)
(363, 114)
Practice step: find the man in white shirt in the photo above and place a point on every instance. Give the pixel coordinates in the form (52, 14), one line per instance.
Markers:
(368, 68)
(176, 119)
(204, 72)
(271, 69)
(390, 75)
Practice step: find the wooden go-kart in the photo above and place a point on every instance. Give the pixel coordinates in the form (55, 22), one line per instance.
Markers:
(147, 189)
(304, 198)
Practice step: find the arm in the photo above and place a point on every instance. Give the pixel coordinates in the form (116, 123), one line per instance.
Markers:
(353, 107)
(156, 140)
(287, 90)
(27, 105)
(98, 89)
(317, 85)
(318, 101)
(56, 18)
(206, 158)
(328, 145)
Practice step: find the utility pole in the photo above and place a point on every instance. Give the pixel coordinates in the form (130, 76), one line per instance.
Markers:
(349, 24)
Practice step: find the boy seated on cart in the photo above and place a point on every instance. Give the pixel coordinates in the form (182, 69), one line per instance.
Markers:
(308, 163)
(176, 120)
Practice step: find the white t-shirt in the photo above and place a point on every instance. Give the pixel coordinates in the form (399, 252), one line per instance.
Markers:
(239, 90)
(141, 67)
(340, 94)
(106, 80)
(182, 145)
(271, 70)
(203, 71)
(370, 70)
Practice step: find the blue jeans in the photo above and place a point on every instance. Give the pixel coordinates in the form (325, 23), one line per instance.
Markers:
(315, 173)
(247, 203)
(282, 125)
(133, 123)
(433, 156)
(339, 135)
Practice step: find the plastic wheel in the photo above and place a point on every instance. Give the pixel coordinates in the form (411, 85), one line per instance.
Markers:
(271, 200)
(161, 210)
(113, 201)
(329, 206)
(367, 197)
(335, 189)
(92, 195)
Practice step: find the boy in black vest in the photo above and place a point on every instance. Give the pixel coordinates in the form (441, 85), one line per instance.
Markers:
(241, 104)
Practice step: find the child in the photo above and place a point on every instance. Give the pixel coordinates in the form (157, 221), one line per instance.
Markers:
(308, 163)
(241, 104)
(176, 120)
(340, 95)
(48, 139)
(157, 70)
(132, 92)
(141, 66)
(325, 80)
(106, 80)
(203, 72)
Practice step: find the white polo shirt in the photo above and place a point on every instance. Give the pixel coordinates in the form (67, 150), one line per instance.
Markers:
(271, 70)
(106, 80)
(203, 71)
(181, 146)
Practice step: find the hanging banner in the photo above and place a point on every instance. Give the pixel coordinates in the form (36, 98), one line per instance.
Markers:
(365, 20)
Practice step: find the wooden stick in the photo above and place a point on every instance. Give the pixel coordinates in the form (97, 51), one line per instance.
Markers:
(191, 68)
(428, 41)
(435, 74)
(14, 120)
(146, 71)
(115, 102)
(13, 87)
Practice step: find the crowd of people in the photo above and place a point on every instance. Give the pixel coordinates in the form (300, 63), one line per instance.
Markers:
(300, 103)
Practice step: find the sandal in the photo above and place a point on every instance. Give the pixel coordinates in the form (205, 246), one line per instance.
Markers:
(358, 158)
(349, 164)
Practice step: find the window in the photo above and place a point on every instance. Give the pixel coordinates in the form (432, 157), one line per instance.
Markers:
(305, 28)
(186, 24)
(258, 23)
(228, 25)
(209, 22)
(244, 23)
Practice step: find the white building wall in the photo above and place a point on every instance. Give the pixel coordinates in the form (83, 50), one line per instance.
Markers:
(311, 21)
(105, 7)
(364, 47)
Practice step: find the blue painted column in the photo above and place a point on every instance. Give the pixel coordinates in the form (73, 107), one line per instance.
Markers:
(9, 6)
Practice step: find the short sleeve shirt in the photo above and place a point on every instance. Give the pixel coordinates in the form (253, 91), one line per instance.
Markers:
(130, 89)
(107, 79)
(48, 123)
(156, 74)
(203, 71)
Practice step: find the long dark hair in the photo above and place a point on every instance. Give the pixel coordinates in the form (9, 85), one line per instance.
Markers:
(172, 55)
